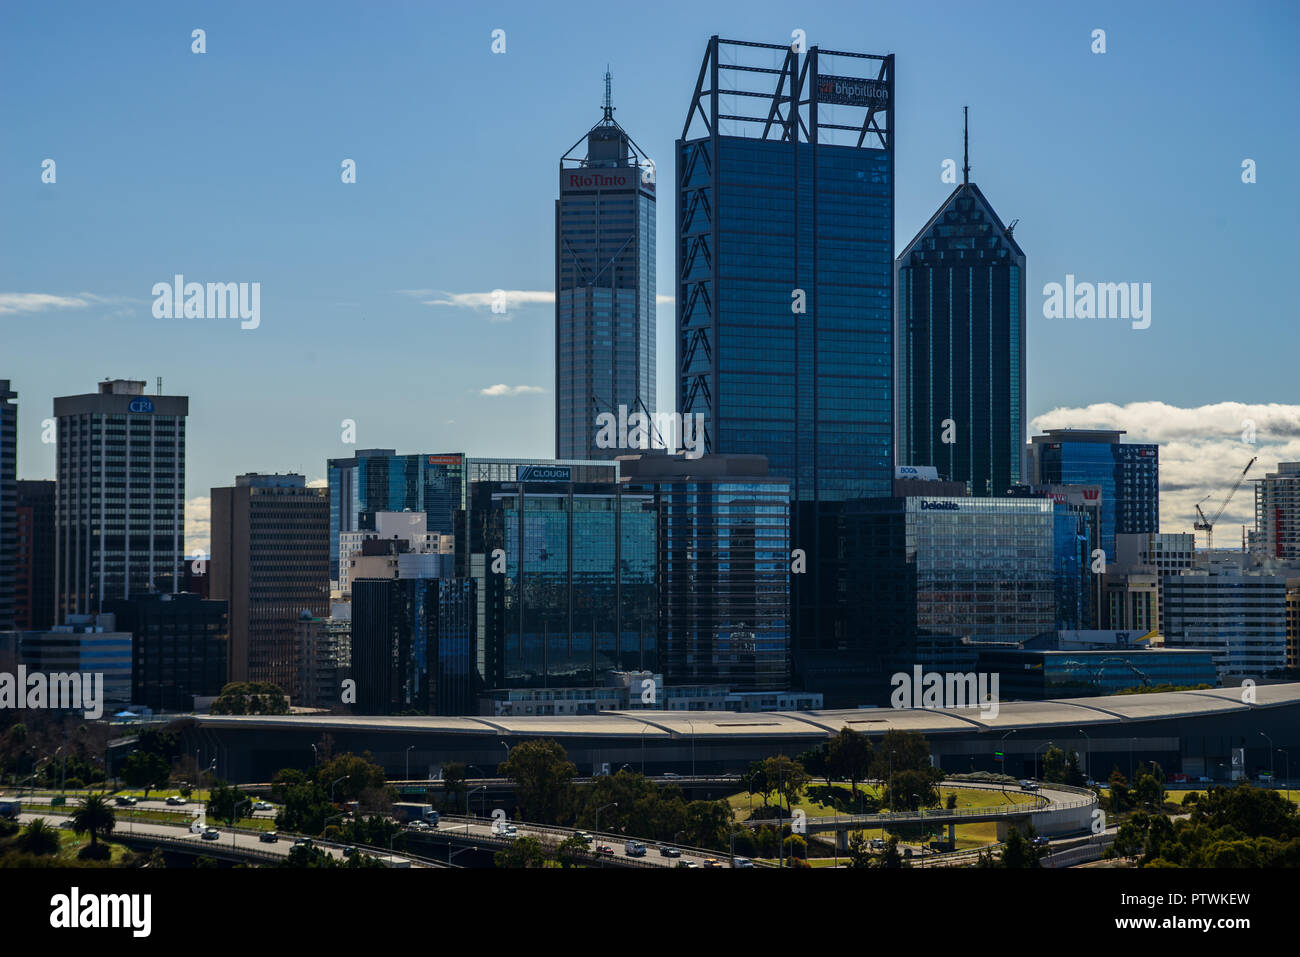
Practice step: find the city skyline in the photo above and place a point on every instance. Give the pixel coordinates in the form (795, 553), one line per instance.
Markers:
(339, 300)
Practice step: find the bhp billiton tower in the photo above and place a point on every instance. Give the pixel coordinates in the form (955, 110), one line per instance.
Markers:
(604, 286)
(785, 226)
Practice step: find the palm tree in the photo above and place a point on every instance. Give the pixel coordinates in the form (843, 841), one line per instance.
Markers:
(39, 838)
(94, 816)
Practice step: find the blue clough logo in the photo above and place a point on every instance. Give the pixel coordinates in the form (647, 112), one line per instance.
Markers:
(939, 506)
(543, 473)
(140, 405)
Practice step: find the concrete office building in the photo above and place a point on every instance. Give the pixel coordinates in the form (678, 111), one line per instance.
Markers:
(1158, 553)
(178, 648)
(270, 562)
(1277, 513)
(605, 308)
(1239, 615)
(324, 658)
(1131, 600)
(34, 597)
(121, 494)
(86, 644)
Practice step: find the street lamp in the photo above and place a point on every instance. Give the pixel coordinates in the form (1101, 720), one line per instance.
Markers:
(1004, 755)
(1288, 766)
(234, 816)
(1087, 755)
(481, 787)
(644, 725)
(315, 755)
(692, 724)
(334, 782)
(598, 810)
(408, 762)
(1270, 757)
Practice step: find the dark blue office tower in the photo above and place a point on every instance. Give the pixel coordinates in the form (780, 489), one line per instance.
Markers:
(785, 240)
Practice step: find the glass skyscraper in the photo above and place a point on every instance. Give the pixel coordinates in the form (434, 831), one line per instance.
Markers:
(1129, 476)
(604, 286)
(724, 568)
(785, 248)
(566, 572)
(961, 346)
(379, 480)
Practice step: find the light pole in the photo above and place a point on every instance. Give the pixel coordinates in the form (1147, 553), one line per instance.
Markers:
(692, 724)
(1270, 758)
(598, 810)
(451, 854)
(408, 762)
(64, 781)
(1288, 767)
(644, 725)
(1087, 755)
(481, 787)
(234, 816)
(315, 756)
(1004, 754)
(334, 782)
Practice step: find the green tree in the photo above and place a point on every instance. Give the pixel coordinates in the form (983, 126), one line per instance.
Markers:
(572, 852)
(912, 790)
(891, 858)
(1073, 772)
(816, 761)
(787, 776)
(146, 769)
(851, 756)
(93, 817)
(543, 777)
(1020, 852)
(453, 780)
(224, 800)
(522, 852)
(1054, 765)
(359, 775)
(756, 781)
(1119, 795)
(39, 838)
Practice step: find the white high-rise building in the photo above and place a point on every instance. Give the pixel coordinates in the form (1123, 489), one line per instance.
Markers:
(1236, 614)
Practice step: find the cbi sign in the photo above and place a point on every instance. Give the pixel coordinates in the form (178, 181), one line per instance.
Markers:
(849, 91)
(140, 405)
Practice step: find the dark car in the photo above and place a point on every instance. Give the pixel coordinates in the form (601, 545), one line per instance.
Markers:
(1041, 841)
(349, 851)
(268, 837)
(303, 842)
(669, 852)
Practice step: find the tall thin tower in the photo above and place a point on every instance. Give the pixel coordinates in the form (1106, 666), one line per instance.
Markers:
(604, 285)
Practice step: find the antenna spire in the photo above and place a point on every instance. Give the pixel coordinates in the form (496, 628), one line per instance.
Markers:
(609, 106)
(965, 146)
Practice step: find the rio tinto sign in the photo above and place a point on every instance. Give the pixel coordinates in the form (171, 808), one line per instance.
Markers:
(587, 180)
(849, 91)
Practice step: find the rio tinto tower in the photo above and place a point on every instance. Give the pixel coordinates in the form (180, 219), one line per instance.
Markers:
(604, 285)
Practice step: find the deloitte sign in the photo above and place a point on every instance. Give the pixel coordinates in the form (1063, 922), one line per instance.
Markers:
(928, 506)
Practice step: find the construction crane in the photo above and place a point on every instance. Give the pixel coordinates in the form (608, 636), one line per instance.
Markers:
(1207, 524)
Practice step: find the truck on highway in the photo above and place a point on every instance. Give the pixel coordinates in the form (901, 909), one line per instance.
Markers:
(10, 809)
(410, 813)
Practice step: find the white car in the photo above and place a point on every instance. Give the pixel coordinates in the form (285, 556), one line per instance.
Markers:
(263, 806)
(174, 801)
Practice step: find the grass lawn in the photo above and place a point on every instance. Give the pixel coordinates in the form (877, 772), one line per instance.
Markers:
(820, 801)
(70, 845)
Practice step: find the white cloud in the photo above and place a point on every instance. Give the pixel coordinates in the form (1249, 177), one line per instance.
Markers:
(1202, 452)
(502, 389)
(15, 302)
(198, 525)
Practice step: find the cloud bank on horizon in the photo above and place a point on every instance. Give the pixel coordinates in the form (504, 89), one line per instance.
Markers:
(1202, 452)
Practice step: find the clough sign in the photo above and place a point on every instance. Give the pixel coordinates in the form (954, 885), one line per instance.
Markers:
(850, 91)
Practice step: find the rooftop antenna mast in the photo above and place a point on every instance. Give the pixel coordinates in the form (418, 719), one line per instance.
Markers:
(965, 146)
(609, 107)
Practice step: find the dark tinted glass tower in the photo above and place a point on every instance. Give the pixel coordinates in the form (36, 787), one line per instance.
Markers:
(604, 286)
(8, 502)
(961, 346)
(785, 239)
(1129, 476)
(34, 573)
(121, 494)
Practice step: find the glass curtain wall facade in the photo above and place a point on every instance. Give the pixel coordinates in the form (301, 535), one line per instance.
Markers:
(961, 346)
(575, 596)
(1129, 476)
(784, 293)
(378, 480)
(605, 308)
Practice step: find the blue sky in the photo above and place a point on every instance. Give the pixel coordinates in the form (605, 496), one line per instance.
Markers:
(1121, 167)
